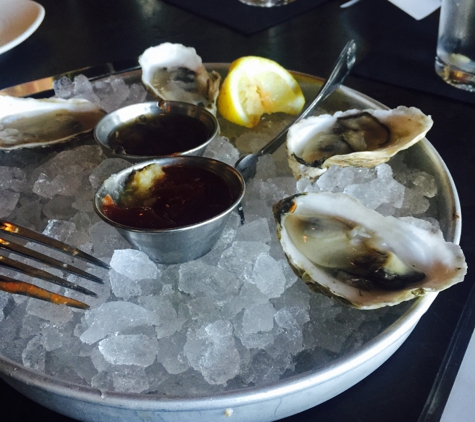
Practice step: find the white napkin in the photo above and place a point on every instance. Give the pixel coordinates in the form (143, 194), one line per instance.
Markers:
(418, 9)
(460, 406)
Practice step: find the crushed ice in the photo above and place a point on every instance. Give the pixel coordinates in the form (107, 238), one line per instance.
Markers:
(236, 317)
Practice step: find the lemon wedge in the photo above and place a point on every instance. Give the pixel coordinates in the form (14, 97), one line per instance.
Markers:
(254, 86)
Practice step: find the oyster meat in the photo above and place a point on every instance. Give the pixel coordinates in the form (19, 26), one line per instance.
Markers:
(361, 138)
(176, 73)
(28, 122)
(354, 254)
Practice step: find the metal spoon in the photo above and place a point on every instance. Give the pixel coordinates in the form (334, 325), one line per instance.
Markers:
(247, 164)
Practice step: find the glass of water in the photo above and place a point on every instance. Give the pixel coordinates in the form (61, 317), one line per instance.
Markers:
(455, 60)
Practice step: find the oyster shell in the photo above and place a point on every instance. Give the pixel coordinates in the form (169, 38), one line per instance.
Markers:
(176, 73)
(28, 123)
(361, 138)
(354, 254)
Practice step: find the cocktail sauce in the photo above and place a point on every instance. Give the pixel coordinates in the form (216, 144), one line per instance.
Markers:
(185, 195)
(165, 134)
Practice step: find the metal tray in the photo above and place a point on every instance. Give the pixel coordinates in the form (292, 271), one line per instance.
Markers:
(278, 400)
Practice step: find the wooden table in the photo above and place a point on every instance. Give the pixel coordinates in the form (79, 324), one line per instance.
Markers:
(81, 33)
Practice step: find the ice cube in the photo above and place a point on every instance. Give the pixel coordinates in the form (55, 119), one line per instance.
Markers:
(83, 89)
(129, 379)
(134, 264)
(63, 87)
(167, 320)
(8, 203)
(239, 259)
(211, 350)
(34, 355)
(171, 355)
(12, 178)
(268, 275)
(255, 231)
(114, 316)
(129, 349)
(221, 149)
(106, 239)
(122, 286)
(200, 279)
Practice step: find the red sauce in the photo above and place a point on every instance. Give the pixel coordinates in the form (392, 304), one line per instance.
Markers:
(185, 196)
(165, 134)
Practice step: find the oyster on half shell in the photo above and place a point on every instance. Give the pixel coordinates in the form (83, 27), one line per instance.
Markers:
(360, 138)
(354, 254)
(28, 122)
(176, 73)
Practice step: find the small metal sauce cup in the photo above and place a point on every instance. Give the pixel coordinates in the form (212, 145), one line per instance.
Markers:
(109, 124)
(182, 244)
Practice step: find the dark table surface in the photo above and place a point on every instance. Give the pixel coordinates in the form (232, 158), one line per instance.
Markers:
(413, 384)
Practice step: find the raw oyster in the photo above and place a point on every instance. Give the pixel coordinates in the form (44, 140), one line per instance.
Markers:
(176, 73)
(27, 122)
(354, 254)
(361, 138)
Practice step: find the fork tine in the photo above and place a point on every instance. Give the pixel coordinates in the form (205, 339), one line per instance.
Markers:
(36, 272)
(10, 285)
(37, 256)
(23, 232)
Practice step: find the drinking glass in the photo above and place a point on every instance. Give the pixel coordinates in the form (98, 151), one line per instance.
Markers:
(266, 3)
(455, 60)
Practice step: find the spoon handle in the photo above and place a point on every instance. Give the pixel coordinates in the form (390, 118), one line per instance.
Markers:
(342, 67)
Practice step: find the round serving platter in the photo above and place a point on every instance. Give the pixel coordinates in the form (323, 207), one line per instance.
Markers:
(277, 400)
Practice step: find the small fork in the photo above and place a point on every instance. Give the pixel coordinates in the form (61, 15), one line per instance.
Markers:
(11, 285)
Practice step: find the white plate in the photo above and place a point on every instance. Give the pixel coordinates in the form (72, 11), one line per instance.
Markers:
(18, 20)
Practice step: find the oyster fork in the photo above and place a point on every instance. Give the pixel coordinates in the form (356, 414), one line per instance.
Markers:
(247, 164)
(11, 285)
